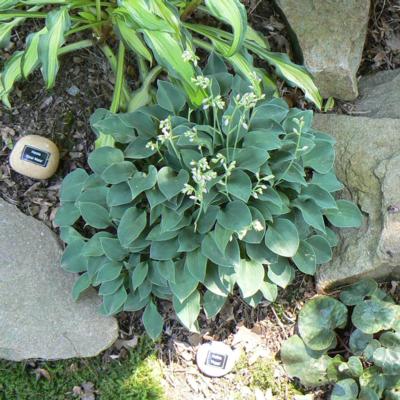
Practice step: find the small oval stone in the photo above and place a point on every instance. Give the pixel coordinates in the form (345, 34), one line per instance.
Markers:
(35, 157)
(215, 359)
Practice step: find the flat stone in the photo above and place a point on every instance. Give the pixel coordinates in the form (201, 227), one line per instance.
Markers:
(38, 318)
(368, 164)
(379, 95)
(215, 359)
(331, 36)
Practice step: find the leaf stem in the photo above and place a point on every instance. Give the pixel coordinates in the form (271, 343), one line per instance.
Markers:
(98, 10)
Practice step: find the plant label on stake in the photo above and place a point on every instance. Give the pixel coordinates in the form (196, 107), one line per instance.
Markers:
(35, 157)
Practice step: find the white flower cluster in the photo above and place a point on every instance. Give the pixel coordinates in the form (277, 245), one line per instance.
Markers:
(166, 134)
(191, 134)
(260, 186)
(189, 56)
(215, 102)
(201, 81)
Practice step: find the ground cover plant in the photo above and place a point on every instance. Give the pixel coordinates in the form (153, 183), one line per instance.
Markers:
(192, 202)
(364, 325)
(131, 378)
(156, 31)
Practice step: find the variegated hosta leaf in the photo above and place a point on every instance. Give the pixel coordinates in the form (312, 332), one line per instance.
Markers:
(233, 13)
(7, 4)
(30, 58)
(5, 30)
(57, 23)
(138, 11)
(253, 36)
(168, 13)
(10, 74)
(44, 2)
(169, 54)
(131, 39)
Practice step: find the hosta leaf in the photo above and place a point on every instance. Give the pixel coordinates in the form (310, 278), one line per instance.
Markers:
(94, 215)
(320, 196)
(318, 319)
(236, 216)
(321, 157)
(301, 362)
(109, 271)
(170, 97)
(118, 172)
(30, 59)
(188, 240)
(188, 310)
(139, 274)
(196, 264)
(171, 184)
(57, 23)
(69, 234)
(231, 12)
(185, 283)
(111, 287)
(131, 225)
(72, 185)
(165, 250)
(346, 389)
(80, 285)
(103, 157)
(282, 237)
(119, 195)
(5, 30)
(356, 293)
(141, 182)
(250, 277)
(321, 247)
(256, 233)
(269, 291)
(346, 215)
(113, 249)
(152, 321)
(67, 214)
(265, 139)
(10, 74)
(239, 185)
(281, 272)
(131, 39)
(374, 315)
(327, 181)
(229, 258)
(311, 213)
(305, 258)
(113, 303)
(212, 303)
(134, 302)
(72, 259)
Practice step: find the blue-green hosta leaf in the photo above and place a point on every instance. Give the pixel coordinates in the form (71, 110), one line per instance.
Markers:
(118, 172)
(119, 195)
(256, 233)
(321, 157)
(281, 272)
(80, 285)
(113, 303)
(356, 293)
(30, 59)
(72, 259)
(249, 277)
(318, 319)
(109, 271)
(188, 310)
(103, 157)
(322, 249)
(141, 181)
(212, 303)
(301, 362)
(152, 321)
(185, 283)
(282, 237)
(111, 287)
(68, 234)
(131, 39)
(134, 302)
(233, 13)
(72, 185)
(374, 315)
(236, 216)
(131, 225)
(164, 250)
(239, 185)
(94, 215)
(269, 290)
(196, 264)
(265, 139)
(58, 22)
(311, 213)
(305, 258)
(170, 183)
(170, 97)
(346, 389)
(327, 181)
(320, 196)
(113, 249)
(67, 215)
(346, 215)
(139, 274)
(229, 258)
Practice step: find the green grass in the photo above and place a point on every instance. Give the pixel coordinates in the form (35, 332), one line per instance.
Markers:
(135, 378)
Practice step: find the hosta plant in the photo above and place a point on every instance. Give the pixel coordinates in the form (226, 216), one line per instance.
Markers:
(154, 30)
(353, 342)
(192, 203)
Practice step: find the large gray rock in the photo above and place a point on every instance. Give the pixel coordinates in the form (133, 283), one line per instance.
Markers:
(368, 163)
(380, 95)
(38, 318)
(331, 36)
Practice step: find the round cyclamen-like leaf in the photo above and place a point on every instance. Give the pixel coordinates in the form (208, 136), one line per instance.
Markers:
(346, 389)
(374, 315)
(318, 320)
(357, 292)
